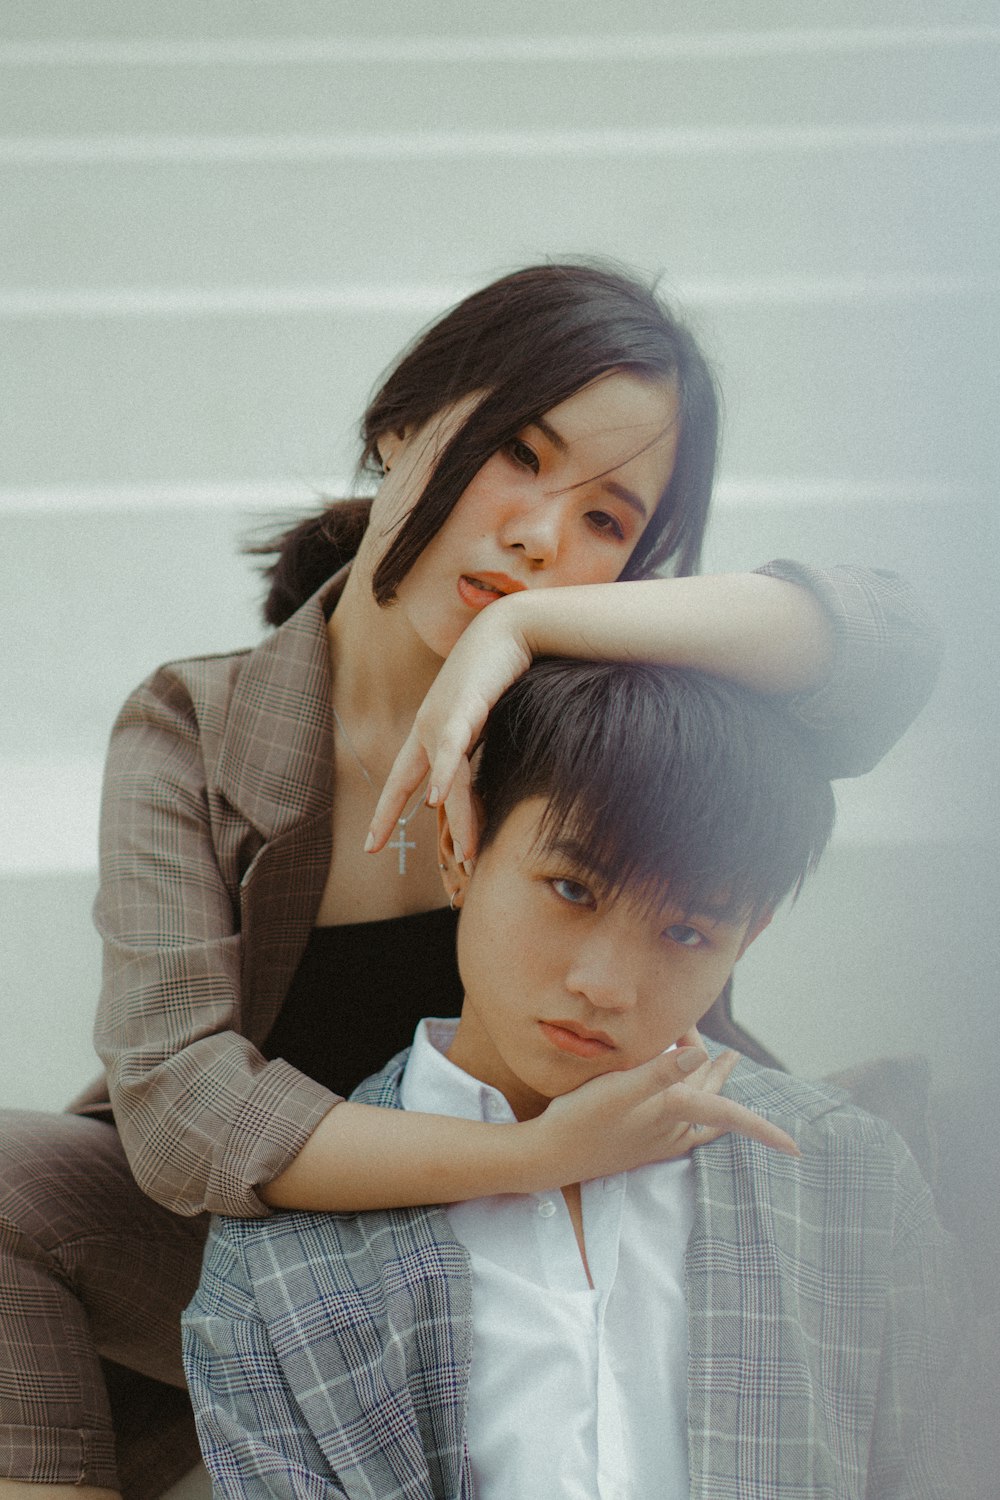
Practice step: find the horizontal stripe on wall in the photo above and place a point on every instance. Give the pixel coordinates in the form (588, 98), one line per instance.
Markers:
(743, 494)
(605, 46)
(166, 302)
(528, 144)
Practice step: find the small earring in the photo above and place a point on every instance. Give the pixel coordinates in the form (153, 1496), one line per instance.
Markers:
(442, 867)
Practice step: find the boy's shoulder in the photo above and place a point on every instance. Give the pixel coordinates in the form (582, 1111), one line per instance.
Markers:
(793, 1101)
(838, 1139)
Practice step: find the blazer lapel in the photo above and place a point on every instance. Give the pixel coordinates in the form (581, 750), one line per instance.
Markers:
(275, 767)
(756, 1423)
(734, 1330)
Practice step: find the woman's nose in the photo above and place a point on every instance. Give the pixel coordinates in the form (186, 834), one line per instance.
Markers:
(536, 530)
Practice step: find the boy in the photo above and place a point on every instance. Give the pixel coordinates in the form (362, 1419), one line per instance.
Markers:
(736, 1323)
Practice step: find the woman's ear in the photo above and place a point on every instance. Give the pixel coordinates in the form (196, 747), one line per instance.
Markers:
(453, 875)
(388, 445)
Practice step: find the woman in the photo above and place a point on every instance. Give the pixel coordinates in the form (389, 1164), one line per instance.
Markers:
(545, 447)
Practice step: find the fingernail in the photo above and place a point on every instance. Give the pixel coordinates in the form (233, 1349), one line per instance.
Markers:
(433, 796)
(369, 843)
(689, 1059)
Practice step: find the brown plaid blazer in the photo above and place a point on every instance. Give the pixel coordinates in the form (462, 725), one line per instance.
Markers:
(215, 845)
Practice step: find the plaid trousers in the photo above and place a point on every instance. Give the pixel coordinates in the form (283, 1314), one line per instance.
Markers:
(93, 1278)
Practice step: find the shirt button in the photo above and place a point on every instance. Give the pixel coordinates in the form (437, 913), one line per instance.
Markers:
(546, 1208)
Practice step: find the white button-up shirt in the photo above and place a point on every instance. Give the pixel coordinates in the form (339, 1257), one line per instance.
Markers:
(575, 1392)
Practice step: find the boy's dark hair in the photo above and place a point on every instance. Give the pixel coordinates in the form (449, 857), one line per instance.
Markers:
(523, 344)
(655, 778)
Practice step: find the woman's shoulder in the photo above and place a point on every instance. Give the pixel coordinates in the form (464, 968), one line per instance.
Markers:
(185, 699)
(289, 663)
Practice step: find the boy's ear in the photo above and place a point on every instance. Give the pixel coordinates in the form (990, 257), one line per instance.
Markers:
(754, 931)
(453, 876)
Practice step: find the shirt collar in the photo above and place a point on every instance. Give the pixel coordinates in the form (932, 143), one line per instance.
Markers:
(434, 1085)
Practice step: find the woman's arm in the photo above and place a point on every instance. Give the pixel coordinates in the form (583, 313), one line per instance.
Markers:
(767, 633)
(850, 649)
(363, 1157)
(203, 1116)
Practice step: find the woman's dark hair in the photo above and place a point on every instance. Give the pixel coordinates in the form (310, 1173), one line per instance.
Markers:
(524, 344)
(658, 779)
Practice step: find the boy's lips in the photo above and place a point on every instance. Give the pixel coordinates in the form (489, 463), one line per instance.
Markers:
(479, 589)
(570, 1036)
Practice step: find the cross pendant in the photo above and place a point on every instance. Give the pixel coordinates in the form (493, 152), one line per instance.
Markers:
(402, 843)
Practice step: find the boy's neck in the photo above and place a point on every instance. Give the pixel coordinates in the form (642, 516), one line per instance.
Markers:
(472, 1051)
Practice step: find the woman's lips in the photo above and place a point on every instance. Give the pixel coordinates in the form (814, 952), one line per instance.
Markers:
(479, 589)
(577, 1040)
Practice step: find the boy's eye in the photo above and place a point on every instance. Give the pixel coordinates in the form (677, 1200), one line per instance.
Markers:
(687, 937)
(572, 891)
(523, 454)
(603, 521)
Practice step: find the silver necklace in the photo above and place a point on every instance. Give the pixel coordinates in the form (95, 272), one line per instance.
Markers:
(400, 842)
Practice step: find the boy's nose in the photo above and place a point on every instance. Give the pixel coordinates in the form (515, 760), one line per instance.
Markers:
(602, 976)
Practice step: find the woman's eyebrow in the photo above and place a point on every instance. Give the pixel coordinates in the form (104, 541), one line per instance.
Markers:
(555, 438)
(620, 491)
(627, 496)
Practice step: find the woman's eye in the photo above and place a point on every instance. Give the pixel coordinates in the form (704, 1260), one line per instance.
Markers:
(687, 937)
(572, 891)
(610, 525)
(524, 455)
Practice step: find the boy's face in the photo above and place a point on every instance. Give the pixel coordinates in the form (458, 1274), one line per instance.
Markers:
(562, 983)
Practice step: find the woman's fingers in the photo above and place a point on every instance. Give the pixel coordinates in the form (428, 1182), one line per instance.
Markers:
(445, 768)
(654, 1112)
(698, 1102)
(486, 659)
(462, 821)
(710, 1115)
(408, 772)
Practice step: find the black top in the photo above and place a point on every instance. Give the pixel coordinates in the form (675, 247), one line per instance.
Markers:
(359, 992)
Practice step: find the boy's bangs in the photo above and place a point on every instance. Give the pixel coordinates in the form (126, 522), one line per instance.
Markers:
(670, 787)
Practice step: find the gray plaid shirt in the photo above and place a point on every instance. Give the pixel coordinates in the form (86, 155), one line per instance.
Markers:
(328, 1354)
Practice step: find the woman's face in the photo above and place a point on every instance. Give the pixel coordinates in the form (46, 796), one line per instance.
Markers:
(564, 503)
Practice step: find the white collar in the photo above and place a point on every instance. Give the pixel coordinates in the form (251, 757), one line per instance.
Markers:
(434, 1085)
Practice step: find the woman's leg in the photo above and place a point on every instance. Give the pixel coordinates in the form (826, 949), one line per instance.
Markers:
(89, 1267)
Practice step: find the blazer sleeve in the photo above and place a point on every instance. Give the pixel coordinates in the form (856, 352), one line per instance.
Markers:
(887, 651)
(254, 1438)
(204, 1118)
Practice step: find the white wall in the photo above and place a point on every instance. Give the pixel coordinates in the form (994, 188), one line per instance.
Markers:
(221, 220)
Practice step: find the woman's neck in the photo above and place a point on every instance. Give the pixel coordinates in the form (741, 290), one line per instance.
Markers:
(381, 668)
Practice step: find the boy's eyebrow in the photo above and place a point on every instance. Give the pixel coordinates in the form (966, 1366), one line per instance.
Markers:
(583, 863)
(577, 856)
(620, 491)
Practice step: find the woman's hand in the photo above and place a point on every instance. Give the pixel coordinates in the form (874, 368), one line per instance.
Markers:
(651, 1113)
(489, 655)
